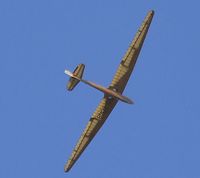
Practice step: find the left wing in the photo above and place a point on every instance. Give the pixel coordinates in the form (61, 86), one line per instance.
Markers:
(96, 121)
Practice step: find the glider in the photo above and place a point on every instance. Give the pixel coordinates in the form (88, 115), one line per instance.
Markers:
(112, 94)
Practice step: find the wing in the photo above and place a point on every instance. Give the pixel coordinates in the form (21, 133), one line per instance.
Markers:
(119, 82)
(128, 62)
(96, 121)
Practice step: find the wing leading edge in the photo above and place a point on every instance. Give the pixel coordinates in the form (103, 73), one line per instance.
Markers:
(107, 104)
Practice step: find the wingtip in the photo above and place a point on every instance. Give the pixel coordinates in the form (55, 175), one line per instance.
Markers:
(66, 168)
(152, 11)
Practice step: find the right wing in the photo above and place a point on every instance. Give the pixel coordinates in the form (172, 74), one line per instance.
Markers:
(128, 62)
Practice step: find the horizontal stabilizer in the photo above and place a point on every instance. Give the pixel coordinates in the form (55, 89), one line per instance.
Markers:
(78, 73)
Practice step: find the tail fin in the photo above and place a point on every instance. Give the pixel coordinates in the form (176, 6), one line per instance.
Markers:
(75, 76)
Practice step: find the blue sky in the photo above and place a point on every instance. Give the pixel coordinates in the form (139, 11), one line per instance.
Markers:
(40, 121)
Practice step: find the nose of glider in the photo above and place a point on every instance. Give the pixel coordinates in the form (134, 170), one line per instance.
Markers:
(129, 101)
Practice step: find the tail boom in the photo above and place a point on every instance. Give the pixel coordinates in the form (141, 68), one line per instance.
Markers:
(107, 91)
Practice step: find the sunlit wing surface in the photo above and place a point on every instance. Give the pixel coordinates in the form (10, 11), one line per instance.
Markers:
(119, 82)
